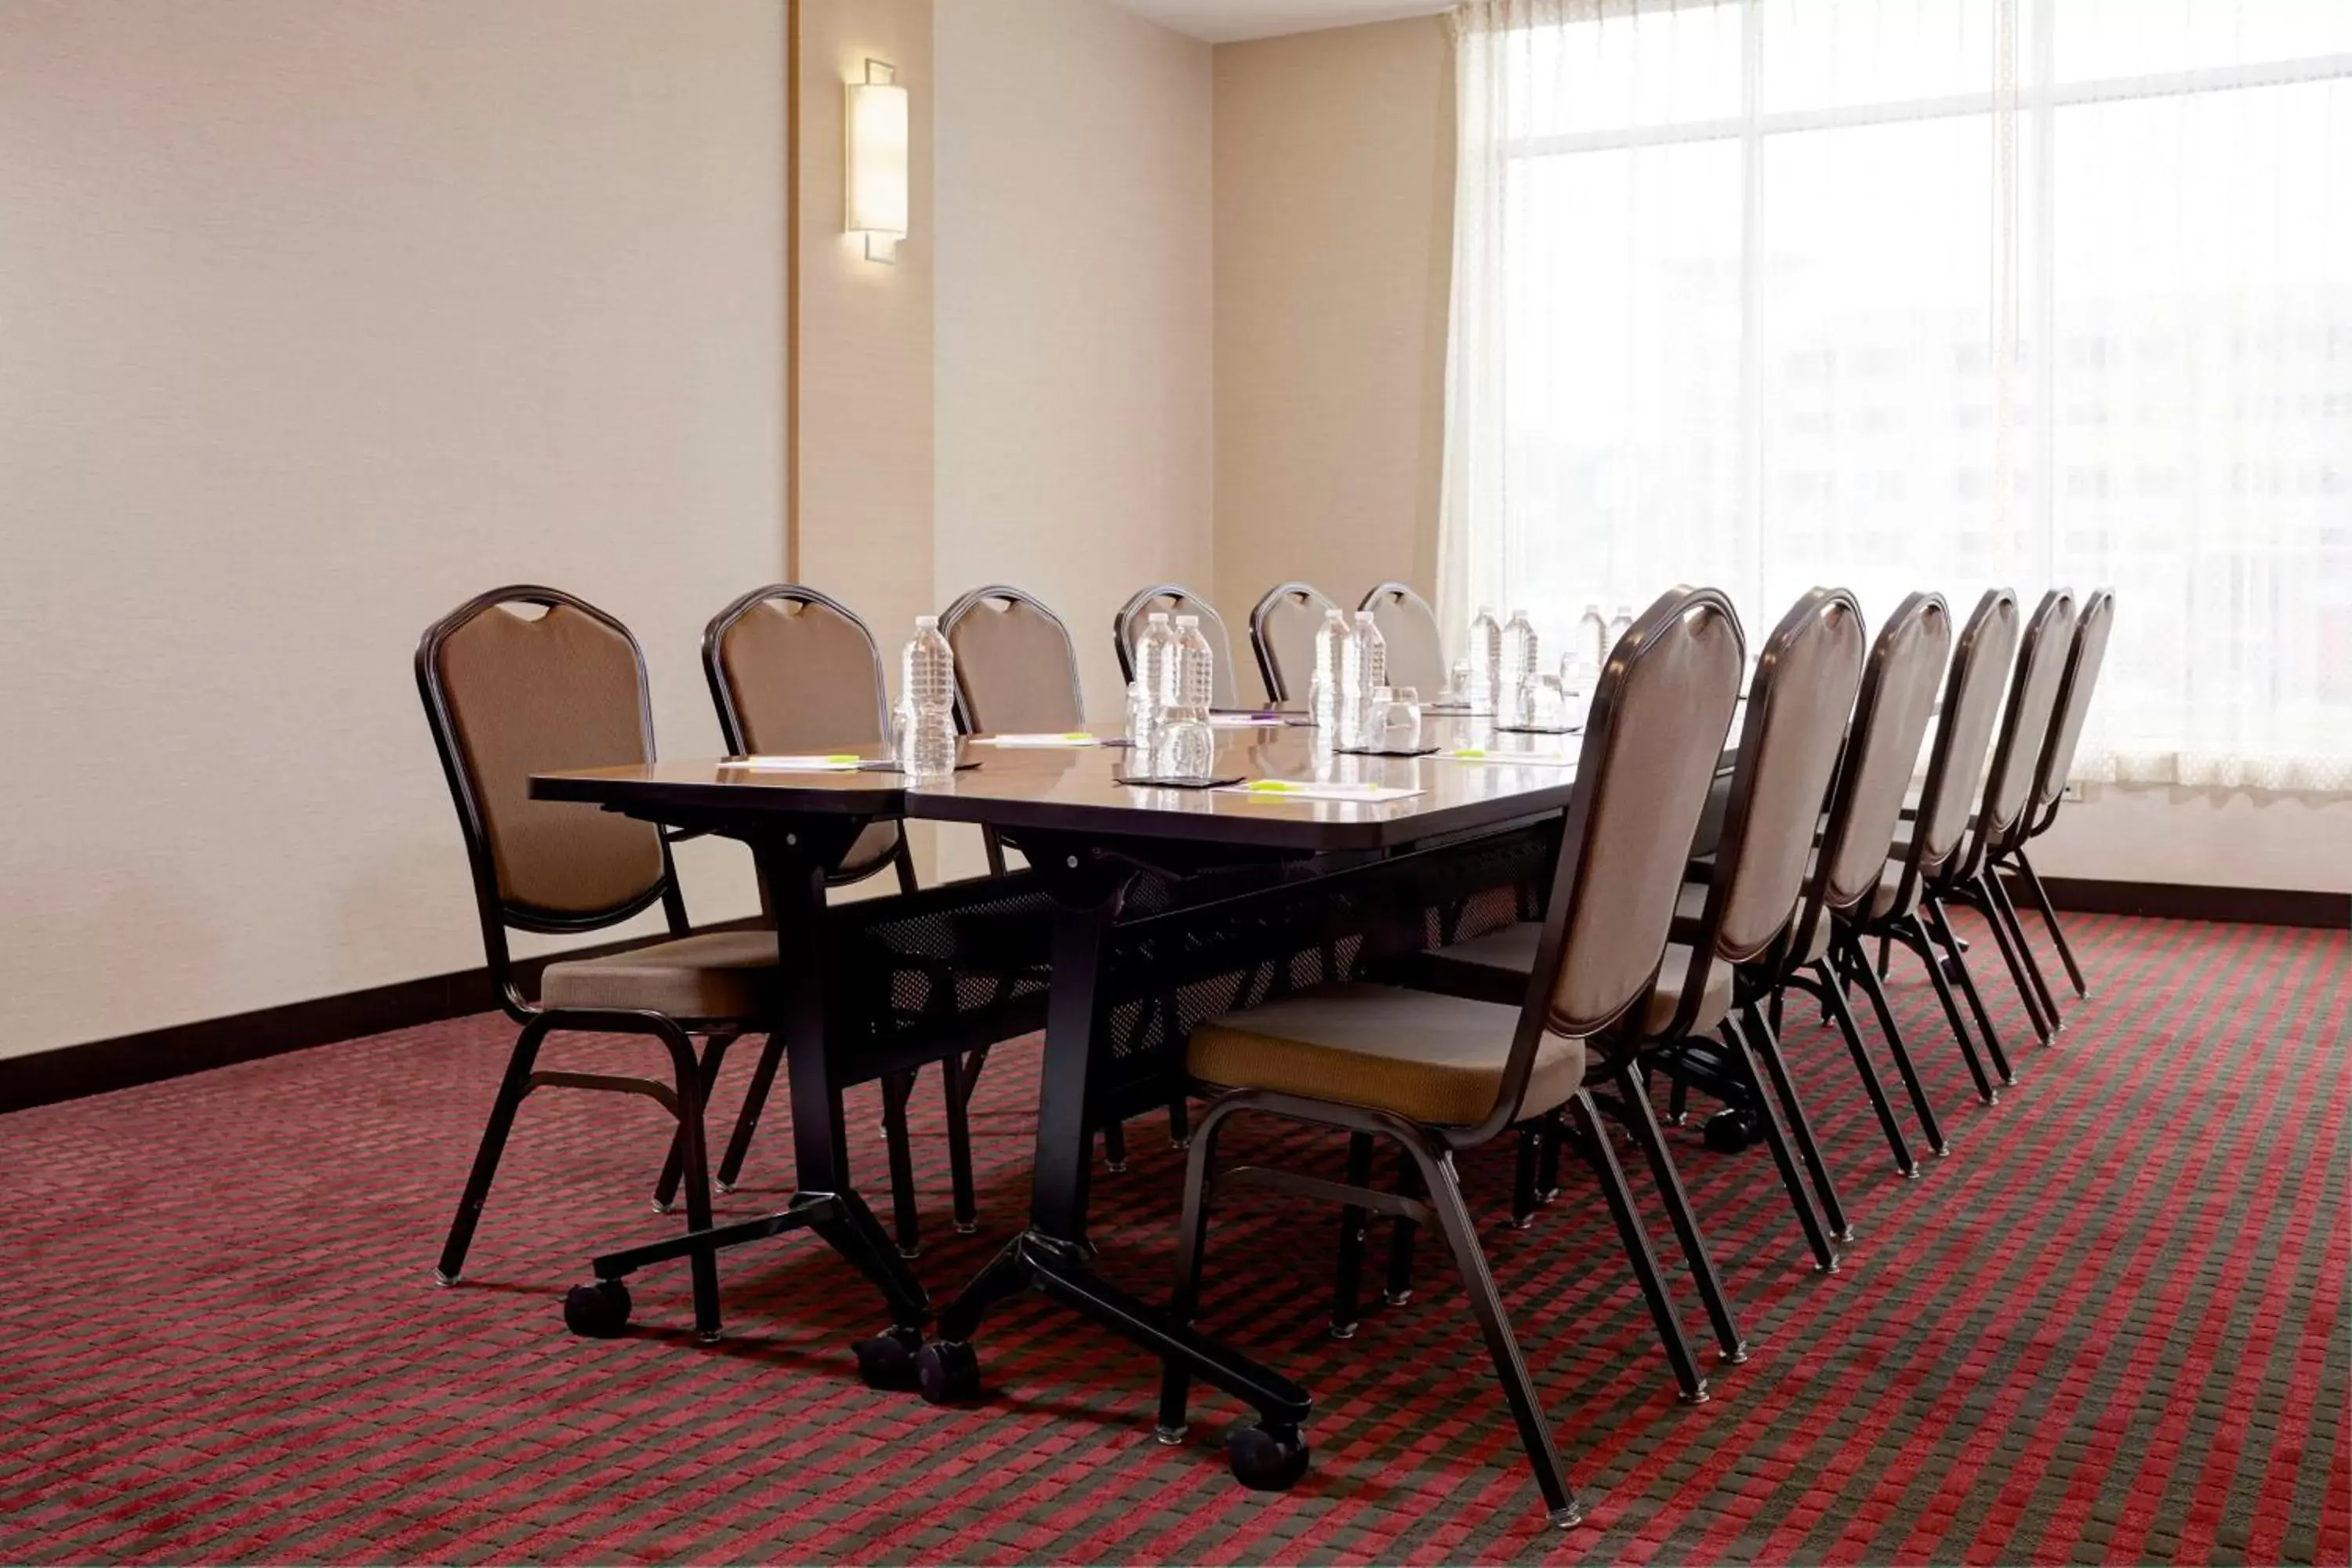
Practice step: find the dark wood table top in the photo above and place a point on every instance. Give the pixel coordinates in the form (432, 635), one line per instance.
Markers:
(1076, 790)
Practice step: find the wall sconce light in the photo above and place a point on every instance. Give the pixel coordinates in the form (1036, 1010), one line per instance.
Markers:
(875, 179)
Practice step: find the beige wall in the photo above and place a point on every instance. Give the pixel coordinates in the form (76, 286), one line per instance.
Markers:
(1334, 240)
(1075, 362)
(319, 316)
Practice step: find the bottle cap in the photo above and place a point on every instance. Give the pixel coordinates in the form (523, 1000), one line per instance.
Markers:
(1364, 618)
(927, 623)
(1331, 614)
(1184, 621)
(1518, 615)
(1157, 618)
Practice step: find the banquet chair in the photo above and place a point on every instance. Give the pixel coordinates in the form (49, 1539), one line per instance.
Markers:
(1283, 626)
(1906, 906)
(1438, 1075)
(1177, 601)
(1409, 627)
(1818, 955)
(793, 669)
(1701, 1022)
(2083, 661)
(1970, 876)
(508, 694)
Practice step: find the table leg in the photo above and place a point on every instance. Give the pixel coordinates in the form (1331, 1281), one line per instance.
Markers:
(791, 871)
(1052, 1256)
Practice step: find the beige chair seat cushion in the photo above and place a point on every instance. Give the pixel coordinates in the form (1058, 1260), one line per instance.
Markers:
(1513, 948)
(723, 975)
(1434, 1059)
(869, 851)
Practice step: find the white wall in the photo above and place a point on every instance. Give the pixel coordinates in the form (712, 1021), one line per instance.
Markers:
(1073, 386)
(319, 316)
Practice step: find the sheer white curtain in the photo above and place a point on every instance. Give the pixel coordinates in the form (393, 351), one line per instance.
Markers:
(1926, 293)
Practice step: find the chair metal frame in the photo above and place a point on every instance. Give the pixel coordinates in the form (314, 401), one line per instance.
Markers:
(957, 1078)
(685, 1097)
(1183, 600)
(1269, 668)
(2050, 787)
(1276, 1454)
(1918, 920)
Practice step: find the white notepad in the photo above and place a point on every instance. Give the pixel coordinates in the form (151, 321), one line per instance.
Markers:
(1509, 758)
(1070, 738)
(833, 763)
(1299, 789)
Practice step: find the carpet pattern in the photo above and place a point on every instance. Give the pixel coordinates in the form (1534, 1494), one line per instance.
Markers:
(2111, 1327)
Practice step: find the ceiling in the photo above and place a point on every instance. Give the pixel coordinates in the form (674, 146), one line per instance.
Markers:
(1229, 21)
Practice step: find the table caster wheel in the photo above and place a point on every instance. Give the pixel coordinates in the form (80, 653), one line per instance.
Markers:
(887, 1360)
(1268, 1458)
(597, 1312)
(1731, 1130)
(948, 1372)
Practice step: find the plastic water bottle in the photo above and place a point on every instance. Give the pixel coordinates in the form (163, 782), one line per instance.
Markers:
(927, 737)
(1619, 624)
(1154, 651)
(1486, 659)
(1195, 668)
(1520, 655)
(1364, 669)
(1323, 697)
(1592, 645)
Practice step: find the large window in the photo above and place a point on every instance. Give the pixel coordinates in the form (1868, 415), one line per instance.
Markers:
(1926, 293)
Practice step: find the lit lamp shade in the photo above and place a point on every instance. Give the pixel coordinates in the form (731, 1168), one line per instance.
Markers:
(878, 162)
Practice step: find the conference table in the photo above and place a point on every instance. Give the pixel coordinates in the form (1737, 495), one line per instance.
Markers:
(1142, 910)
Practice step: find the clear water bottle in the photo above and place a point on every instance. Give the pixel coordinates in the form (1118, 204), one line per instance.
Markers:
(1323, 696)
(1519, 656)
(1195, 671)
(1154, 652)
(1592, 645)
(1363, 669)
(1619, 624)
(927, 737)
(1486, 659)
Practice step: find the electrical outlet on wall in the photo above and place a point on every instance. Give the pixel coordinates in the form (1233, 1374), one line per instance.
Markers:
(2070, 790)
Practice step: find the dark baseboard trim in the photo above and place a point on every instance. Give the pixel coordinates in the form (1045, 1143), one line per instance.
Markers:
(98, 1066)
(2186, 901)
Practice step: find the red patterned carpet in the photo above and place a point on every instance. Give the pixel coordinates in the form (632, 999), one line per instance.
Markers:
(2111, 1327)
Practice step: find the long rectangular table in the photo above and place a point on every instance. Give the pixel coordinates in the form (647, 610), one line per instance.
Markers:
(1164, 905)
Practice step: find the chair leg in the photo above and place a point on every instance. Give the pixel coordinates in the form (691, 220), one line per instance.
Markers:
(1933, 959)
(1461, 1236)
(1547, 1168)
(1833, 1000)
(1522, 1178)
(703, 1263)
(1846, 953)
(1114, 1137)
(1603, 1160)
(897, 1088)
(1183, 1301)
(1729, 1346)
(1941, 925)
(1766, 1044)
(1997, 892)
(1977, 893)
(747, 1120)
(1800, 1197)
(1398, 1288)
(714, 1052)
(1179, 1121)
(511, 1090)
(957, 1078)
(1354, 1223)
(2050, 918)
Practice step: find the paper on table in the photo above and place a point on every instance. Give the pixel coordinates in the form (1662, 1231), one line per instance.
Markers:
(1070, 738)
(1245, 721)
(833, 763)
(1504, 755)
(1299, 789)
